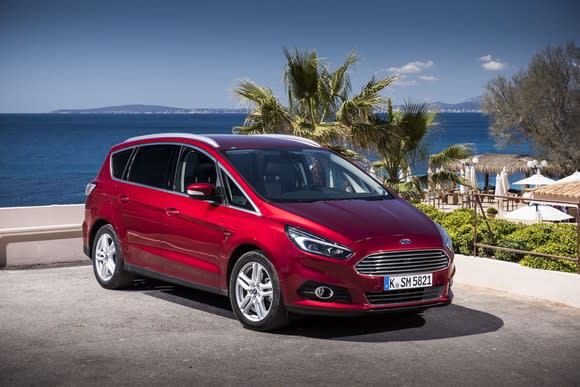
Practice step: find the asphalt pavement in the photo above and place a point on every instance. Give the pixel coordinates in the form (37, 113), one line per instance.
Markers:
(59, 327)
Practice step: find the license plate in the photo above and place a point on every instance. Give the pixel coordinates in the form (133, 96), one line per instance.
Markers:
(393, 282)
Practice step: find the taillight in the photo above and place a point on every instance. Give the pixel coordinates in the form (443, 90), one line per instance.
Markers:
(89, 188)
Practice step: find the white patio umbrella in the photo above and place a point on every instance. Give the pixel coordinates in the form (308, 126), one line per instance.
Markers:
(536, 213)
(499, 187)
(569, 179)
(473, 177)
(505, 180)
(537, 179)
(462, 175)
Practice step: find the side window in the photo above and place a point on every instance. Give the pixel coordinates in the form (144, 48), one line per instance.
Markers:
(119, 162)
(151, 165)
(235, 196)
(194, 167)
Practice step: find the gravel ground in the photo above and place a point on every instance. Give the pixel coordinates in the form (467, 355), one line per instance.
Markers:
(57, 326)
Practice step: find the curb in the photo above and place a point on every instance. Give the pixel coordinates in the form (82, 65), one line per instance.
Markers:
(553, 286)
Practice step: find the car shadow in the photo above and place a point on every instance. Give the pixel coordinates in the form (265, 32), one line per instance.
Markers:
(436, 323)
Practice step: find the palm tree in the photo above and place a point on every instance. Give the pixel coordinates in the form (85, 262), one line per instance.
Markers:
(406, 145)
(320, 105)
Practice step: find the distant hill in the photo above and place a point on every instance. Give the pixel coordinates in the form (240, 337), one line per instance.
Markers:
(468, 106)
(146, 109)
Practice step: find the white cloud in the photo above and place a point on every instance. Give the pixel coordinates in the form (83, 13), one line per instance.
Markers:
(412, 67)
(428, 78)
(491, 64)
(405, 81)
(494, 65)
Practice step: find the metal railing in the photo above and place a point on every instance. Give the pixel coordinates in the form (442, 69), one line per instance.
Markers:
(478, 205)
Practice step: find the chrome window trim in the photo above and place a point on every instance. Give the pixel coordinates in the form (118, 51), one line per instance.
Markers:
(216, 162)
(189, 136)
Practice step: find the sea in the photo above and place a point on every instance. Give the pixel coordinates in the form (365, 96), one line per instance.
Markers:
(49, 158)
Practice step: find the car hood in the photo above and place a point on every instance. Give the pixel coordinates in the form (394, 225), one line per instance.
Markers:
(388, 220)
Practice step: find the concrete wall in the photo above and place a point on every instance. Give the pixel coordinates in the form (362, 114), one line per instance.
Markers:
(511, 277)
(41, 235)
(36, 216)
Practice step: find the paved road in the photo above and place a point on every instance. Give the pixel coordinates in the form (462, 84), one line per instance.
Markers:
(57, 326)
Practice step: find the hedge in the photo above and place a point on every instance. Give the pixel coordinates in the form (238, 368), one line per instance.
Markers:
(556, 239)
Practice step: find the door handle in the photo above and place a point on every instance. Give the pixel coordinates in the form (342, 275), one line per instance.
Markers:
(123, 198)
(171, 212)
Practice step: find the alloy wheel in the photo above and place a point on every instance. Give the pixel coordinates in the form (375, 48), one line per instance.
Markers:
(254, 293)
(105, 254)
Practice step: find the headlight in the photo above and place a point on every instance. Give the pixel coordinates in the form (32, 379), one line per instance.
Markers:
(317, 245)
(446, 238)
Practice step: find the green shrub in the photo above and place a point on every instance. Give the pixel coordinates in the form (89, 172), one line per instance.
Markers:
(432, 212)
(556, 239)
(548, 264)
(507, 255)
(530, 237)
(491, 211)
(462, 238)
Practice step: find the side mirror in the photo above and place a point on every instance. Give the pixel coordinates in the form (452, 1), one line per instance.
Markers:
(201, 191)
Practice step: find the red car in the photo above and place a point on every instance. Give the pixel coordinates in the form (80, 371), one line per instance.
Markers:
(277, 223)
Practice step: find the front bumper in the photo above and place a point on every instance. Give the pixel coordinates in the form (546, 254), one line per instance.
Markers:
(307, 269)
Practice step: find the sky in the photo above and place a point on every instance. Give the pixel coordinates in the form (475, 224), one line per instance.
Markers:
(82, 54)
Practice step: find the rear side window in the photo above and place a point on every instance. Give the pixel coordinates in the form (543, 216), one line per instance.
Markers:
(119, 162)
(151, 166)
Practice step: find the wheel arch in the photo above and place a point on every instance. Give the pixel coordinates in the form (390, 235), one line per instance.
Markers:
(94, 229)
(236, 255)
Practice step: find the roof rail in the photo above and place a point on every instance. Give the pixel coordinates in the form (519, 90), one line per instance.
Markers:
(302, 140)
(190, 136)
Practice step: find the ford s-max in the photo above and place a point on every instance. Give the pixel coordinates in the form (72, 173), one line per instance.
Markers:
(277, 223)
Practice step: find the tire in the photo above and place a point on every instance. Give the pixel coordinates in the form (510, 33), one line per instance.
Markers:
(108, 263)
(250, 296)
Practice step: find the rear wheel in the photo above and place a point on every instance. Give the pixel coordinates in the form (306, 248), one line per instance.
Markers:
(108, 264)
(255, 293)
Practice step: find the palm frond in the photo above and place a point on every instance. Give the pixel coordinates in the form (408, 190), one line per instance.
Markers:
(267, 114)
(450, 154)
(363, 106)
(349, 153)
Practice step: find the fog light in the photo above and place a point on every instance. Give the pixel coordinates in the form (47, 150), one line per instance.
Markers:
(323, 292)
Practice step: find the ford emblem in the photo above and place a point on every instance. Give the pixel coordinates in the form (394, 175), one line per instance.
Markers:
(405, 241)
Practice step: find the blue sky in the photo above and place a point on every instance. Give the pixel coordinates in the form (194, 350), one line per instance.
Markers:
(75, 54)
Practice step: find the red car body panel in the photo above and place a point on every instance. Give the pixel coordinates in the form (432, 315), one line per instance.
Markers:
(194, 241)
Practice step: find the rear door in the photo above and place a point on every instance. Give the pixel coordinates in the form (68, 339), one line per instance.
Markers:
(141, 203)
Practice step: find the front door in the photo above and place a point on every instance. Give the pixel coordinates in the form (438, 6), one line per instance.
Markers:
(192, 231)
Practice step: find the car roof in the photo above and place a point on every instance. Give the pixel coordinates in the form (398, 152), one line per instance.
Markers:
(232, 141)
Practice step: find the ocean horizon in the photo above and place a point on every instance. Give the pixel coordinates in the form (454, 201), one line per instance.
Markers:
(49, 158)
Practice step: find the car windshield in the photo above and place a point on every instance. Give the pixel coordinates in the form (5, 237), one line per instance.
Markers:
(303, 175)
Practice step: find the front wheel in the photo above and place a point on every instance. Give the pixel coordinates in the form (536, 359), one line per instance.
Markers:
(255, 293)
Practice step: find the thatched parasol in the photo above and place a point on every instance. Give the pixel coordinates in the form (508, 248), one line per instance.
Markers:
(493, 163)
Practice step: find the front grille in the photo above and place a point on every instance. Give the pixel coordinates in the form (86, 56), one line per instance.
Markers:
(407, 262)
(405, 295)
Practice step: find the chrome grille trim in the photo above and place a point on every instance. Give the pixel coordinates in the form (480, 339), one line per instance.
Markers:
(405, 295)
(403, 262)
